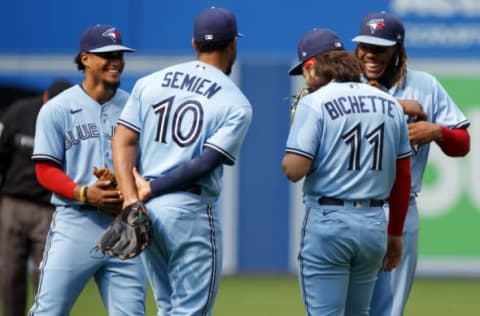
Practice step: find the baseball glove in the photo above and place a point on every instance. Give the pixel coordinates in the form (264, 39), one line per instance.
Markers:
(106, 174)
(128, 234)
(293, 107)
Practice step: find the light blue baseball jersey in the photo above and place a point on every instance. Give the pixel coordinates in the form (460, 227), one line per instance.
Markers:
(353, 133)
(393, 288)
(75, 132)
(440, 109)
(180, 110)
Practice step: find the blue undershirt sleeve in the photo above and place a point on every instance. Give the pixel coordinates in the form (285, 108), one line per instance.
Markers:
(185, 175)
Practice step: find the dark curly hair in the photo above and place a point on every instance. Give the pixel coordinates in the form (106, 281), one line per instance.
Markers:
(339, 65)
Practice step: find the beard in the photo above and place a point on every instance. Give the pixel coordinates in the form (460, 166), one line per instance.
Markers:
(228, 71)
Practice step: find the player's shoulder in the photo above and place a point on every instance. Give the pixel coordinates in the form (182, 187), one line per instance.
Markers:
(68, 94)
(231, 94)
(420, 77)
(63, 100)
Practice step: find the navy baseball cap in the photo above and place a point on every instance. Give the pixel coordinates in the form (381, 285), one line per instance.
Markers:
(381, 29)
(215, 24)
(102, 39)
(315, 42)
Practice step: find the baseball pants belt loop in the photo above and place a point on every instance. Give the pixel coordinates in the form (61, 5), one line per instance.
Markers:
(333, 201)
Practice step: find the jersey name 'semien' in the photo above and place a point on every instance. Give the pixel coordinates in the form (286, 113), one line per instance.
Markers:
(359, 104)
(192, 83)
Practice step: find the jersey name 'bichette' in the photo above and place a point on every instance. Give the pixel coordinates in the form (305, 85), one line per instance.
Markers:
(359, 104)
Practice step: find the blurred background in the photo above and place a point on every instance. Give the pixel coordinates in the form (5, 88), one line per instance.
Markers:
(262, 212)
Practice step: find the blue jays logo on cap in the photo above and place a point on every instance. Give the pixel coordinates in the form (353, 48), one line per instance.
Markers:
(376, 24)
(381, 29)
(102, 39)
(112, 33)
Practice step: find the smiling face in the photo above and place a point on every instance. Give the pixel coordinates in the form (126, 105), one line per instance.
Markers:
(376, 60)
(105, 68)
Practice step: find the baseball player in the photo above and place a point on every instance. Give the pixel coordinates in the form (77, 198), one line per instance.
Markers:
(350, 142)
(381, 50)
(26, 210)
(73, 135)
(187, 121)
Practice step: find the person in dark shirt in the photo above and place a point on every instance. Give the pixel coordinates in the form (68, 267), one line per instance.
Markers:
(26, 211)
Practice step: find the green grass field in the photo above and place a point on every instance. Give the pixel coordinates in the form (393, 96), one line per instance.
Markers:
(279, 296)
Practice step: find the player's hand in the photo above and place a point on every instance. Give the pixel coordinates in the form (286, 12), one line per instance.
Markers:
(143, 186)
(101, 195)
(394, 253)
(413, 109)
(421, 133)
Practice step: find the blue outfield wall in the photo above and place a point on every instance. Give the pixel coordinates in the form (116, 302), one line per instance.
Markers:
(263, 201)
(435, 28)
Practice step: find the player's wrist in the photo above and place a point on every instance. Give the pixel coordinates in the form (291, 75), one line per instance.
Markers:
(128, 202)
(80, 193)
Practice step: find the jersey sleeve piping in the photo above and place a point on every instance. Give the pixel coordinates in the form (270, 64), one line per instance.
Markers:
(230, 158)
(405, 155)
(462, 124)
(299, 152)
(129, 125)
(42, 157)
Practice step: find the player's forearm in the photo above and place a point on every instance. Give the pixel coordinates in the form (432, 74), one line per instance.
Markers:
(399, 197)
(454, 142)
(51, 177)
(124, 159)
(186, 174)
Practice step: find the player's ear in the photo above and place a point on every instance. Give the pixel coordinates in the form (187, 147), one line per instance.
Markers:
(234, 42)
(194, 45)
(84, 59)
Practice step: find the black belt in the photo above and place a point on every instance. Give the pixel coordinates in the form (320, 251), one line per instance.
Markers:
(332, 201)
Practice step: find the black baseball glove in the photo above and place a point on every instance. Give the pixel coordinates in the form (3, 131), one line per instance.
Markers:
(128, 234)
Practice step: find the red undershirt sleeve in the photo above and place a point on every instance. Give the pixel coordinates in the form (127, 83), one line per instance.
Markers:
(456, 141)
(399, 197)
(50, 176)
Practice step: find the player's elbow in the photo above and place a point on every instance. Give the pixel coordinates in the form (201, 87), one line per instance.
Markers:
(295, 167)
(290, 172)
(460, 151)
(292, 176)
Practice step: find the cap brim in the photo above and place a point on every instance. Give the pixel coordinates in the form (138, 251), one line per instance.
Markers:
(111, 48)
(296, 70)
(373, 40)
